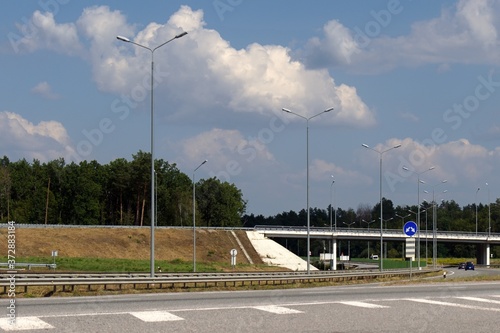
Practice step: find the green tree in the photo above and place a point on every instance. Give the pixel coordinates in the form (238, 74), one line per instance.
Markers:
(220, 204)
(5, 188)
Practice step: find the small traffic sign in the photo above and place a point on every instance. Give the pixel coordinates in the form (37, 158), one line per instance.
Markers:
(410, 228)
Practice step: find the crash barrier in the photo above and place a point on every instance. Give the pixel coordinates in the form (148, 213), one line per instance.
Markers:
(68, 282)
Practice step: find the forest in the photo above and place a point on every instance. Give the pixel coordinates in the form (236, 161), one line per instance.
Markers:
(119, 193)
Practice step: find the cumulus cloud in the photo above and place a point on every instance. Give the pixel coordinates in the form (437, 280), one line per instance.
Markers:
(227, 151)
(44, 141)
(202, 67)
(465, 33)
(456, 161)
(45, 90)
(321, 170)
(42, 32)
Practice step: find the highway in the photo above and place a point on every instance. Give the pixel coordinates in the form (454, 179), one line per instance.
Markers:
(434, 307)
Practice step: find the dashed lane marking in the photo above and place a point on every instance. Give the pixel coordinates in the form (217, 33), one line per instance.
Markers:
(155, 316)
(23, 324)
(464, 306)
(276, 309)
(364, 305)
(478, 299)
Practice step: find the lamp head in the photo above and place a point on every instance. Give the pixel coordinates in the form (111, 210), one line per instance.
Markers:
(182, 34)
(123, 39)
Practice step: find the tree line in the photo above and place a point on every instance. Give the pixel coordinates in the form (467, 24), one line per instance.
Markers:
(449, 217)
(118, 193)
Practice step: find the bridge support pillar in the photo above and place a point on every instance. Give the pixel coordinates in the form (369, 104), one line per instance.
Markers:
(483, 254)
(333, 251)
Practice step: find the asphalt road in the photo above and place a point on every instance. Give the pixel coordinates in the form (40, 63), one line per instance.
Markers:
(434, 307)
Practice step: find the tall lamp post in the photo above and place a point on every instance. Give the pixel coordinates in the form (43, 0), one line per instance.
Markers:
(402, 219)
(307, 180)
(331, 205)
(349, 242)
(489, 211)
(125, 39)
(434, 224)
(418, 206)
(194, 217)
(368, 223)
(476, 207)
(331, 211)
(381, 152)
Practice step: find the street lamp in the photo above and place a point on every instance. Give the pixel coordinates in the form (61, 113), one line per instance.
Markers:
(402, 219)
(307, 180)
(368, 223)
(426, 236)
(349, 241)
(389, 219)
(194, 217)
(125, 39)
(476, 207)
(434, 223)
(332, 257)
(381, 209)
(331, 205)
(489, 211)
(418, 206)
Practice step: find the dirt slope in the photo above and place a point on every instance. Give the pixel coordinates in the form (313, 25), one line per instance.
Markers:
(129, 243)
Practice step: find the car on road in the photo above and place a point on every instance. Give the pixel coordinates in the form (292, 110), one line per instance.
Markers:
(469, 265)
(461, 265)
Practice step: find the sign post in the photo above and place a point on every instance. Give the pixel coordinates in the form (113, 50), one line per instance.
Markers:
(410, 229)
(233, 257)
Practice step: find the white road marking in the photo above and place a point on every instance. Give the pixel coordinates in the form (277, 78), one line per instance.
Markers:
(464, 306)
(24, 323)
(276, 309)
(155, 316)
(364, 305)
(477, 299)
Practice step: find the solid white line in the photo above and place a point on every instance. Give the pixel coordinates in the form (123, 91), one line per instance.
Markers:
(155, 316)
(477, 299)
(364, 305)
(276, 309)
(428, 301)
(24, 323)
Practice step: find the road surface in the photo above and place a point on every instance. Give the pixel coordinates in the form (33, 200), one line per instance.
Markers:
(435, 307)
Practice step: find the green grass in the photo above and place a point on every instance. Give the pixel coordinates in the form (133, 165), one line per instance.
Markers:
(115, 265)
(130, 265)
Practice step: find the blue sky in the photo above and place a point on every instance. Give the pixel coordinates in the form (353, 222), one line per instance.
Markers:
(423, 75)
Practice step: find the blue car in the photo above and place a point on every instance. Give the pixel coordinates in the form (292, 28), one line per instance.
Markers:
(469, 265)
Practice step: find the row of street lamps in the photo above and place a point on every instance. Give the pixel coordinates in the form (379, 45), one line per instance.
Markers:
(153, 218)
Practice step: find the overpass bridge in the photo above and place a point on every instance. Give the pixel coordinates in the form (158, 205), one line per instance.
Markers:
(482, 240)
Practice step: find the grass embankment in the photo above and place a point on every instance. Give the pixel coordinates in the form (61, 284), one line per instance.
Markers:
(128, 249)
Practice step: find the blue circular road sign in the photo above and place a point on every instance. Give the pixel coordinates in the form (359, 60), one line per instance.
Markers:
(410, 228)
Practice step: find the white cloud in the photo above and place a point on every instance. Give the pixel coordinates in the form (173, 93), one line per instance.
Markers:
(45, 141)
(42, 32)
(321, 170)
(466, 33)
(45, 90)
(479, 18)
(202, 67)
(409, 116)
(227, 150)
(456, 161)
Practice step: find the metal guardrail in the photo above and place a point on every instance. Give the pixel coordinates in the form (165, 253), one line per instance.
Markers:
(27, 264)
(68, 282)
